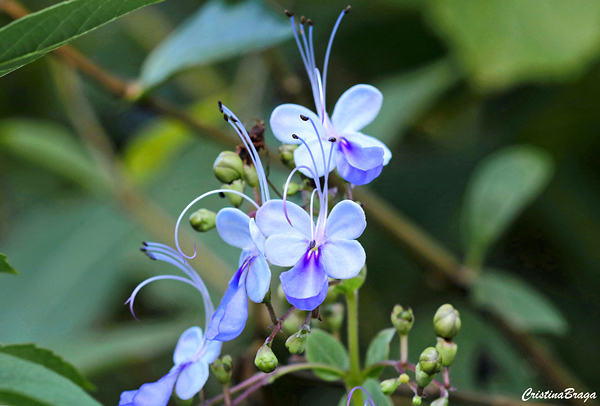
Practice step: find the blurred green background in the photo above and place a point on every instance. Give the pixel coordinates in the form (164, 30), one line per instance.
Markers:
(86, 176)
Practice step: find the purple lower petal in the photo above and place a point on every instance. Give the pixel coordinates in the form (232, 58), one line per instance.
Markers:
(359, 156)
(355, 175)
(305, 285)
(156, 393)
(230, 317)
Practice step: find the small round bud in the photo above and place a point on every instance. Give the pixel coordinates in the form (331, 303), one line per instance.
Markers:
(333, 317)
(265, 359)
(447, 350)
(404, 378)
(446, 321)
(421, 377)
(389, 386)
(292, 188)
(203, 220)
(416, 400)
(296, 343)
(440, 402)
(228, 167)
(430, 361)
(402, 319)
(222, 368)
(238, 186)
(250, 176)
(286, 155)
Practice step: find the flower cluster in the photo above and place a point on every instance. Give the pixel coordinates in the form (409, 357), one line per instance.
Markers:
(277, 231)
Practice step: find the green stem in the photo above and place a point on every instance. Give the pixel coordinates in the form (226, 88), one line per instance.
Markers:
(404, 349)
(354, 378)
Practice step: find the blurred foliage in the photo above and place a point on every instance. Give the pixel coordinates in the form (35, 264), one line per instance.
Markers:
(483, 102)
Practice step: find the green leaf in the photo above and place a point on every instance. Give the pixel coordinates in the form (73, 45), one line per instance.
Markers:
(504, 42)
(379, 350)
(31, 37)
(323, 348)
(216, 32)
(518, 303)
(502, 185)
(24, 383)
(5, 266)
(53, 148)
(353, 284)
(48, 359)
(408, 96)
(372, 386)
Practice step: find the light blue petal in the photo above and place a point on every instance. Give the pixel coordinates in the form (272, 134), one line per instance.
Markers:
(156, 393)
(191, 379)
(257, 236)
(188, 344)
(285, 121)
(212, 351)
(302, 157)
(342, 259)
(258, 279)
(356, 108)
(355, 175)
(306, 284)
(286, 249)
(360, 157)
(127, 397)
(230, 317)
(232, 225)
(346, 220)
(271, 220)
(367, 141)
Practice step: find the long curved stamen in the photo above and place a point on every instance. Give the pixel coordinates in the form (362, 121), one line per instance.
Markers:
(149, 280)
(304, 58)
(316, 179)
(369, 400)
(312, 72)
(312, 222)
(212, 192)
(326, 64)
(287, 183)
(245, 137)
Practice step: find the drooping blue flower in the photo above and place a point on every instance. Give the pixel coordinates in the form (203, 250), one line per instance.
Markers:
(252, 279)
(193, 352)
(359, 158)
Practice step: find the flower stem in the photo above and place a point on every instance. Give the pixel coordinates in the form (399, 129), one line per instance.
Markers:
(404, 349)
(355, 377)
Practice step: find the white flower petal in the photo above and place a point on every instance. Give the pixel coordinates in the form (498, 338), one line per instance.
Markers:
(285, 121)
(321, 157)
(232, 225)
(356, 108)
(258, 279)
(271, 220)
(342, 259)
(188, 344)
(366, 141)
(213, 349)
(191, 379)
(286, 249)
(346, 220)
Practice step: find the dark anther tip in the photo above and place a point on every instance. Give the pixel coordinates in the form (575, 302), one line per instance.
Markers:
(332, 139)
(289, 13)
(225, 117)
(221, 194)
(233, 119)
(151, 257)
(310, 22)
(312, 244)
(294, 136)
(302, 20)
(220, 106)
(144, 243)
(347, 10)
(143, 249)
(303, 117)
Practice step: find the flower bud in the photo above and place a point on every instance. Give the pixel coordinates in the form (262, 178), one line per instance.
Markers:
(238, 186)
(250, 176)
(389, 386)
(416, 400)
(222, 368)
(446, 321)
(296, 343)
(440, 402)
(421, 377)
(402, 319)
(404, 378)
(332, 316)
(265, 359)
(286, 155)
(203, 220)
(430, 361)
(447, 350)
(292, 188)
(228, 167)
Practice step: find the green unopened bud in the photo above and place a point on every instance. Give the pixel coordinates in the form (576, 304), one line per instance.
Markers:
(292, 188)
(402, 319)
(296, 343)
(332, 316)
(238, 186)
(446, 321)
(265, 359)
(404, 378)
(286, 155)
(430, 361)
(203, 220)
(440, 402)
(423, 379)
(250, 176)
(389, 386)
(447, 350)
(416, 400)
(228, 167)
(222, 368)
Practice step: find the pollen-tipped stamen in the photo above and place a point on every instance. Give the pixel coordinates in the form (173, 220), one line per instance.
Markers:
(316, 173)
(328, 52)
(287, 183)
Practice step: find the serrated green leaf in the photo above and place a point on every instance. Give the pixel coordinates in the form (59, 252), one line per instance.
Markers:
(216, 32)
(372, 386)
(54, 148)
(323, 348)
(31, 37)
(379, 349)
(24, 383)
(503, 42)
(517, 303)
(5, 266)
(48, 359)
(502, 185)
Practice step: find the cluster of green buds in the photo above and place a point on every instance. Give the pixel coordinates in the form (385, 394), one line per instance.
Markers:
(286, 155)
(222, 368)
(447, 324)
(402, 319)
